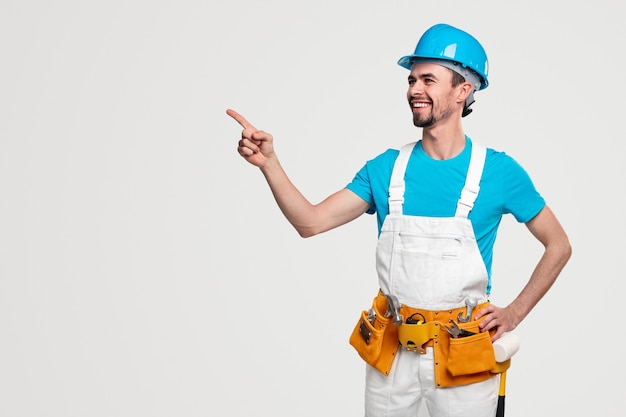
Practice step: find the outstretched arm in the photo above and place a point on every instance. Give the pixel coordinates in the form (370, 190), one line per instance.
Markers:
(547, 229)
(257, 147)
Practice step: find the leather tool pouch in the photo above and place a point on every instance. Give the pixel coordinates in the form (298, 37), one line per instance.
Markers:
(471, 354)
(376, 341)
(467, 359)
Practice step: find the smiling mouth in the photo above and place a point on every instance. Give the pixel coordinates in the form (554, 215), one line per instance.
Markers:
(417, 106)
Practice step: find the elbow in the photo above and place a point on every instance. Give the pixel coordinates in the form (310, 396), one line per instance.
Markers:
(566, 248)
(310, 230)
(564, 252)
(567, 251)
(306, 232)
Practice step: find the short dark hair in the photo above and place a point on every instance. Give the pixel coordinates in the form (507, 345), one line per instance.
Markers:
(456, 78)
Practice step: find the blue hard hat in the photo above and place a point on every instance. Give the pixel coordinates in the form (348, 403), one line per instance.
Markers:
(445, 42)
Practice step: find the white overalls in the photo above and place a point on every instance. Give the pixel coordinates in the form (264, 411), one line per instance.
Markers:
(434, 264)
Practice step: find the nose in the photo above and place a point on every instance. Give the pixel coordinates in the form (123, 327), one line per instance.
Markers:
(415, 88)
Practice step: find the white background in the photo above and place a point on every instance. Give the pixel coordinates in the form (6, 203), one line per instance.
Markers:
(145, 269)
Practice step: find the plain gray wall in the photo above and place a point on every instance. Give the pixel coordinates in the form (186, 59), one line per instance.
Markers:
(145, 269)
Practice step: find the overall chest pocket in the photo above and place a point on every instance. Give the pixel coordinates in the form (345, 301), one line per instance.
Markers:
(429, 246)
(426, 268)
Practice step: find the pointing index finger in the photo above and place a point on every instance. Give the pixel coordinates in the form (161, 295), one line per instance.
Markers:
(240, 119)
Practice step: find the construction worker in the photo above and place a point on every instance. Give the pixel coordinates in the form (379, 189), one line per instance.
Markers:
(439, 202)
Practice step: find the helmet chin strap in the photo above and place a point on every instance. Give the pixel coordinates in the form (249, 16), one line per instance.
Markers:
(468, 102)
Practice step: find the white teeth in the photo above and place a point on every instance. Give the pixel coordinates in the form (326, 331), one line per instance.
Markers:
(420, 105)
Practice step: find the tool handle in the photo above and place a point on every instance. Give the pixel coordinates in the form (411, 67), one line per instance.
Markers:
(506, 346)
(500, 410)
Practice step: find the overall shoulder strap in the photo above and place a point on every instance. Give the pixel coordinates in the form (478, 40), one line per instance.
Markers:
(472, 181)
(396, 184)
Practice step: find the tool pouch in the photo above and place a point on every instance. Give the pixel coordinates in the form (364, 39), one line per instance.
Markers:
(471, 354)
(467, 359)
(376, 341)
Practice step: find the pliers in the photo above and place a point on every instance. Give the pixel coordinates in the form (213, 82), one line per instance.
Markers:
(456, 332)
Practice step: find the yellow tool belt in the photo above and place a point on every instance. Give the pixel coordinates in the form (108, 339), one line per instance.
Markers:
(458, 361)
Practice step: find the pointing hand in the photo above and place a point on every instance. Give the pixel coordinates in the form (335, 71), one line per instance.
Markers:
(256, 146)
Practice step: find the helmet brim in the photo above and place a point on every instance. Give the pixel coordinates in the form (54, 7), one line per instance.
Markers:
(408, 61)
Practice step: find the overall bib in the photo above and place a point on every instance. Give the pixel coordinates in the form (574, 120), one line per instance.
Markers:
(433, 264)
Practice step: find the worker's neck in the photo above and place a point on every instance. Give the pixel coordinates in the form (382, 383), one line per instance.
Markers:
(443, 142)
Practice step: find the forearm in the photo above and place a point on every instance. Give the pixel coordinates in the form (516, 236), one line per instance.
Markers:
(311, 219)
(294, 206)
(557, 251)
(543, 277)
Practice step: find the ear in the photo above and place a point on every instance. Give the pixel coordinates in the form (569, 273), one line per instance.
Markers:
(465, 89)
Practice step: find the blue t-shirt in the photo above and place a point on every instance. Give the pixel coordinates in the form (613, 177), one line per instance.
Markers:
(433, 187)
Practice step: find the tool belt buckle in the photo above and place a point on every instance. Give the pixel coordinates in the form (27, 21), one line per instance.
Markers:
(412, 347)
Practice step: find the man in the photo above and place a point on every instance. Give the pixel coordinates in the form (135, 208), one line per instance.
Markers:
(439, 203)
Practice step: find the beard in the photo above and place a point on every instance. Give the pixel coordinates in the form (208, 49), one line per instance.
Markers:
(430, 119)
(424, 121)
